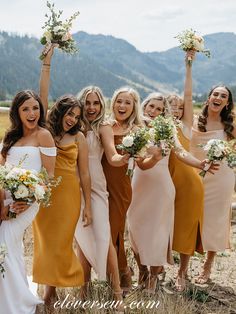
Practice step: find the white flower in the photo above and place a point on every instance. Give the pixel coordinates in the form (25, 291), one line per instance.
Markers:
(48, 36)
(21, 192)
(152, 133)
(66, 37)
(217, 152)
(58, 30)
(39, 192)
(15, 173)
(198, 43)
(128, 141)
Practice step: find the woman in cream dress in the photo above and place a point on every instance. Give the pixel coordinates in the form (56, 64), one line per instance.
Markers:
(151, 212)
(26, 139)
(95, 244)
(215, 122)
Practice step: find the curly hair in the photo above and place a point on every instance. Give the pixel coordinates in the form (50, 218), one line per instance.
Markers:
(63, 104)
(226, 114)
(15, 131)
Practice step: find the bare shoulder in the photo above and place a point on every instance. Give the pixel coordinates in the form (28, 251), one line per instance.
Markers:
(80, 136)
(45, 138)
(105, 128)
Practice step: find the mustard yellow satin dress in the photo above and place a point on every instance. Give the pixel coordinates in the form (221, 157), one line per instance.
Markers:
(55, 262)
(188, 203)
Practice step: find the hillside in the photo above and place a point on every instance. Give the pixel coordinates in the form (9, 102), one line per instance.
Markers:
(110, 62)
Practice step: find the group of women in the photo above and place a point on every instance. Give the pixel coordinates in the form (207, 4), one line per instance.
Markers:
(166, 206)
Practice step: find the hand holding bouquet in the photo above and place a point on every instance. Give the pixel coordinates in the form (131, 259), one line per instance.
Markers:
(3, 253)
(58, 32)
(133, 144)
(218, 150)
(163, 133)
(26, 185)
(190, 41)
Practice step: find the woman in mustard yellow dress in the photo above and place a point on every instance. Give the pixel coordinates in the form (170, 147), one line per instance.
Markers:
(188, 185)
(55, 263)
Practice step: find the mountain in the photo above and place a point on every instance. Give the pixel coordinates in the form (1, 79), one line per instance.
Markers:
(110, 63)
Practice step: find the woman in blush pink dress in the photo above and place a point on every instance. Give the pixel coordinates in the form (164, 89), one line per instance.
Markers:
(215, 122)
(151, 212)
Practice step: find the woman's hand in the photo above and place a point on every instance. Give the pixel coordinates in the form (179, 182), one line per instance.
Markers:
(125, 158)
(209, 166)
(190, 55)
(19, 207)
(155, 151)
(87, 217)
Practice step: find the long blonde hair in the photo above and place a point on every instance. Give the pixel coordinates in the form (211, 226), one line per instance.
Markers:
(94, 125)
(135, 118)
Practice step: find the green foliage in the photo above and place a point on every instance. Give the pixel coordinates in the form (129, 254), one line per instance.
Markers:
(110, 63)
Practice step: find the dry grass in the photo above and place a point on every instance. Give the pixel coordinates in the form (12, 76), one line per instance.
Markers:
(218, 297)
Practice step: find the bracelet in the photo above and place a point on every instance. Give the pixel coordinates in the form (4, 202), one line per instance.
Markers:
(47, 64)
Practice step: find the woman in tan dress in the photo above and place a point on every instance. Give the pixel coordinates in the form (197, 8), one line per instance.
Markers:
(125, 117)
(215, 122)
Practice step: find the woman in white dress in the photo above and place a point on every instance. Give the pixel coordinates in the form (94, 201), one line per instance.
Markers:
(151, 212)
(26, 136)
(215, 122)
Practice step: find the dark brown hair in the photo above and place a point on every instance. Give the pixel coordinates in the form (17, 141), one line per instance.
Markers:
(54, 122)
(15, 131)
(226, 114)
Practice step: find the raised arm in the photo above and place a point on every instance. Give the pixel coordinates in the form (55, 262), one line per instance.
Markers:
(107, 138)
(45, 79)
(187, 118)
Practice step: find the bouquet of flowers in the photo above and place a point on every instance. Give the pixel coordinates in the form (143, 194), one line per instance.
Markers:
(133, 145)
(3, 253)
(163, 133)
(26, 185)
(218, 150)
(190, 41)
(58, 32)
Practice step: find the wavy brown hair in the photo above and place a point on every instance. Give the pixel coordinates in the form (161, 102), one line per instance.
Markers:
(226, 114)
(15, 131)
(63, 104)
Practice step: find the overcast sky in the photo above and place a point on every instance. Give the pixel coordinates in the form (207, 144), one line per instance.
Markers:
(150, 25)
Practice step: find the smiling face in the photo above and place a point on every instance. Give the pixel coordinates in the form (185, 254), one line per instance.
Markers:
(218, 99)
(29, 113)
(123, 106)
(177, 107)
(154, 108)
(92, 107)
(71, 118)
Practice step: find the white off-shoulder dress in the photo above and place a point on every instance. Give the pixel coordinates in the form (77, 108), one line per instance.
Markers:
(15, 295)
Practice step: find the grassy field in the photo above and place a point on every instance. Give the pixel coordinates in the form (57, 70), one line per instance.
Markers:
(219, 296)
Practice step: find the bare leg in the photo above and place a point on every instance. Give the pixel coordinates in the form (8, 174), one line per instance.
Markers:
(113, 271)
(49, 294)
(87, 272)
(206, 272)
(152, 280)
(143, 270)
(180, 283)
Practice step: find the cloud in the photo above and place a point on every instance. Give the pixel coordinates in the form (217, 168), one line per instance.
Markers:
(164, 14)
